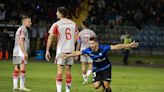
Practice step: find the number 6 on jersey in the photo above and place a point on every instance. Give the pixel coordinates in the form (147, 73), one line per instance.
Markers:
(68, 33)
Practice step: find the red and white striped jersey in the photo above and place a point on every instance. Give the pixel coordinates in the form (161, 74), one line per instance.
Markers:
(65, 30)
(83, 38)
(21, 32)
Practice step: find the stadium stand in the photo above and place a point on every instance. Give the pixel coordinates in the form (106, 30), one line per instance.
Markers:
(109, 18)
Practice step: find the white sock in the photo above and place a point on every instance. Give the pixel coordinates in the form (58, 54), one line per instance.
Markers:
(85, 77)
(22, 81)
(89, 72)
(15, 82)
(68, 87)
(58, 86)
(15, 79)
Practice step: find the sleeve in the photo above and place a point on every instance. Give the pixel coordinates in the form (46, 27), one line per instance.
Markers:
(79, 39)
(107, 48)
(76, 29)
(54, 29)
(85, 51)
(22, 33)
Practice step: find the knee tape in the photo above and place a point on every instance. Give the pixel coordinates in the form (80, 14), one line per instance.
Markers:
(68, 78)
(59, 77)
(15, 73)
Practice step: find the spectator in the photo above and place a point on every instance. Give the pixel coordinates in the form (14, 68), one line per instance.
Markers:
(34, 34)
(2, 12)
(127, 40)
(42, 32)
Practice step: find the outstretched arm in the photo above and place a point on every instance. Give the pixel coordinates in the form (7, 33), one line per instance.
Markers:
(122, 46)
(75, 53)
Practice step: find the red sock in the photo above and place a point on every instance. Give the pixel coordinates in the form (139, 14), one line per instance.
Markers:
(68, 81)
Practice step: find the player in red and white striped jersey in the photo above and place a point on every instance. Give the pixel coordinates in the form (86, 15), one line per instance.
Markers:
(20, 55)
(83, 38)
(66, 32)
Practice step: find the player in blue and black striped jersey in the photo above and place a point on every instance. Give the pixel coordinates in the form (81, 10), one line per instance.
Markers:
(101, 65)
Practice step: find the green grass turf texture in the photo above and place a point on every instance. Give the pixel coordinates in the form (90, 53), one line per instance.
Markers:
(40, 77)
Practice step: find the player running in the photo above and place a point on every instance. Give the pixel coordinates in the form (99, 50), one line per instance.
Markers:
(83, 38)
(101, 65)
(20, 55)
(66, 32)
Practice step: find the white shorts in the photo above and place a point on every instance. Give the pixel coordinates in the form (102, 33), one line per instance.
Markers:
(85, 58)
(19, 60)
(61, 61)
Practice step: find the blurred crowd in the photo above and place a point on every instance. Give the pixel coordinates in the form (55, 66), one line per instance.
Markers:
(12, 10)
(101, 12)
(126, 12)
(43, 14)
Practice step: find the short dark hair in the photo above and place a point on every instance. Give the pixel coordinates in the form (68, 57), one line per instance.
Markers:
(63, 11)
(93, 39)
(85, 23)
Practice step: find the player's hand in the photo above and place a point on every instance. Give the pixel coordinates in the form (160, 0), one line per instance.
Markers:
(25, 56)
(64, 56)
(76, 58)
(47, 56)
(134, 44)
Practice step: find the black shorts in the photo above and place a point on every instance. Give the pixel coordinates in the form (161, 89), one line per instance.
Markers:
(104, 75)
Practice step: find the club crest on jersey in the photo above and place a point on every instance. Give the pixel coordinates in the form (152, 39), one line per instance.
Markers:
(100, 54)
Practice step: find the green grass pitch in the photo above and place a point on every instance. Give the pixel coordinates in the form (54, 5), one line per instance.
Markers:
(40, 78)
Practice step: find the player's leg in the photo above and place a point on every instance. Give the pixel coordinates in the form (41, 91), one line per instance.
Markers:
(59, 78)
(97, 84)
(15, 77)
(90, 61)
(60, 64)
(107, 86)
(83, 62)
(69, 62)
(89, 71)
(84, 72)
(68, 78)
(96, 79)
(22, 76)
(16, 63)
(107, 79)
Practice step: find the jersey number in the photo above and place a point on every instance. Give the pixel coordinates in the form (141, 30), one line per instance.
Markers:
(86, 39)
(68, 34)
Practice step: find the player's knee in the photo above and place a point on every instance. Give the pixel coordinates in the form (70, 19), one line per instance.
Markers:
(15, 73)
(106, 86)
(17, 67)
(68, 69)
(84, 71)
(59, 77)
(22, 72)
(96, 86)
(68, 78)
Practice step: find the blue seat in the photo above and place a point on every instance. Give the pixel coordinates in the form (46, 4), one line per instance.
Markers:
(40, 55)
